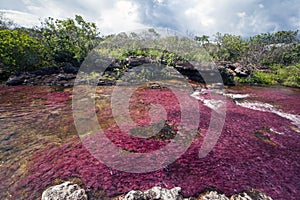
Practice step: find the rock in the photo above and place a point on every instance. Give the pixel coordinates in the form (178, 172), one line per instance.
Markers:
(236, 69)
(185, 65)
(154, 86)
(136, 61)
(162, 193)
(63, 76)
(242, 71)
(15, 80)
(64, 191)
(157, 193)
(134, 195)
(212, 195)
(46, 71)
(69, 69)
(250, 195)
(242, 196)
(227, 75)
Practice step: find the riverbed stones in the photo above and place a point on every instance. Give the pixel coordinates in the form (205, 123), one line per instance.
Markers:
(64, 191)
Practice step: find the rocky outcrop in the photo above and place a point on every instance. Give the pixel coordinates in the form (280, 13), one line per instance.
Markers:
(158, 193)
(152, 69)
(64, 191)
(62, 76)
(237, 69)
(69, 191)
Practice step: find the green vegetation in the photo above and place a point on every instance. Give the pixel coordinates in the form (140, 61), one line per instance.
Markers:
(68, 40)
(54, 43)
(19, 51)
(284, 75)
(273, 58)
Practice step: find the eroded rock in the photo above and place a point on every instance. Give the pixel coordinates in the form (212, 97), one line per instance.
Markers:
(64, 191)
(157, 193)
(250, 195)
(212, 195)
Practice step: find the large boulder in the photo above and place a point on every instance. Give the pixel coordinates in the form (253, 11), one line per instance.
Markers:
(64, 191)
(236, 69)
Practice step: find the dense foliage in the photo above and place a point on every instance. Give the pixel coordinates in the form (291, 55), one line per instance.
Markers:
(68, 40)
(275, 56)
(19, 51)
(53, 43)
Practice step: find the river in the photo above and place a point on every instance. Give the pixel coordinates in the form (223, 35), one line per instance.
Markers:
(258, 148)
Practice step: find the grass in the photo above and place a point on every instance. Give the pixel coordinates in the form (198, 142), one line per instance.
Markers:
(280, 75)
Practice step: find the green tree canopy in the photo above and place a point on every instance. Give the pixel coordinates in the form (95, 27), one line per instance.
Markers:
(18, 51)
(68, 40)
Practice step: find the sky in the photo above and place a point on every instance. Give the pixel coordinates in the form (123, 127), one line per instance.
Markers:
(192, 17)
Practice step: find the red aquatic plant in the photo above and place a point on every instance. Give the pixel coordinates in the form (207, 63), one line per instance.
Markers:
(242, 159)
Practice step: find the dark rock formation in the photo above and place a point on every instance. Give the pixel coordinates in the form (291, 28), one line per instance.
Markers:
(237, 69)
(149, 70)
(62, 76)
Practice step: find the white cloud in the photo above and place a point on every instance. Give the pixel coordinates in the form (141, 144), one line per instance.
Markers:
(261, 5)
(26, 19)
(245, 17)
(241, 14)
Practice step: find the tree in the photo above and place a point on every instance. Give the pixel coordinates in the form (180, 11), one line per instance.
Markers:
(68, 40)
(229, 47)
(271, 48)
(18, 51)
(204, 39)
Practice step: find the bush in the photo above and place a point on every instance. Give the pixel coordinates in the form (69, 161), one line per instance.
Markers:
(259, 77)
(284, 75)
(288, 76)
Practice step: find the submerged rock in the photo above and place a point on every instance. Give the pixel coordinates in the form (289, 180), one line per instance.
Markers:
(66, 190)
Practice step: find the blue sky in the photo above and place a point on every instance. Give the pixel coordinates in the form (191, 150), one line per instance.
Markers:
(195, 17)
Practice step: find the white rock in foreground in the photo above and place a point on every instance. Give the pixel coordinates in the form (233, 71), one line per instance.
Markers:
(213, 195)
(64, 191)
(250, 195)
(155, 193)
